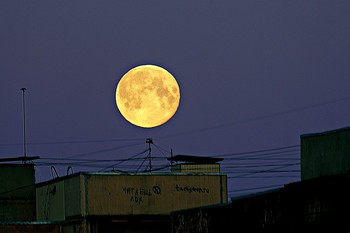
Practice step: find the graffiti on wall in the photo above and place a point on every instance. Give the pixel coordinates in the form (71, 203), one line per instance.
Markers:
(137, 194)
(191, 189)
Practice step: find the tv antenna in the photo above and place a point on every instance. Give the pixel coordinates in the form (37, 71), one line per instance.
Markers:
(24, 125)
(25, 159)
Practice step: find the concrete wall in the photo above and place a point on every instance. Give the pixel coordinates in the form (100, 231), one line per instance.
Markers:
(326, 153)
(51, 202)
(102, 194)
(60, 199)
(152, 194)
(74, 196)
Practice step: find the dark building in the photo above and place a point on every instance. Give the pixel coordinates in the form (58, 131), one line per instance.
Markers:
(17, 192)
(318, 203)
(325, 153)
(18, 199)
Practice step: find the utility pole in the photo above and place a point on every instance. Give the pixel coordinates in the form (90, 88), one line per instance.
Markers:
(24, 125)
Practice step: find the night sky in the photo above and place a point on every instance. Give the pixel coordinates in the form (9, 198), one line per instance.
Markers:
(253, 75)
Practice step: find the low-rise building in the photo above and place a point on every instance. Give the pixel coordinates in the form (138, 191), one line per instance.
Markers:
(128, 202)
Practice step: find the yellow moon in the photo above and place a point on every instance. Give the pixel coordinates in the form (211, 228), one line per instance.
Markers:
(147, 96)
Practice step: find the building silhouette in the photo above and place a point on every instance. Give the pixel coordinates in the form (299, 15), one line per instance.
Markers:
(17, 192)
(192, 197)
(318, 203)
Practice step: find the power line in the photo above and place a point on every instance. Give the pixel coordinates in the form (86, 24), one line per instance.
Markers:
(262, 171)
(73, 142)
(271, 177)
(247, 164)
(272, 115)
(259, 165)
(103, 150)
(128, 159)
(256, 188)
(258, 151)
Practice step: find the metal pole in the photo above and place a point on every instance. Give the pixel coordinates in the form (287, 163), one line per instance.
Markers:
(24, 124)
(149, 141)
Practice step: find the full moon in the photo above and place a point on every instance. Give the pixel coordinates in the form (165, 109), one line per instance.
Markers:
(147, 96)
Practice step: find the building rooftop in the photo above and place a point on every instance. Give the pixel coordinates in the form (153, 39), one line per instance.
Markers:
(325, 132)
(195, 159)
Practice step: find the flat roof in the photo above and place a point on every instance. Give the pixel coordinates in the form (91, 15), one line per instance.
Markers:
(325, 132)
(195, 159)
(20, 158)
(90, 173)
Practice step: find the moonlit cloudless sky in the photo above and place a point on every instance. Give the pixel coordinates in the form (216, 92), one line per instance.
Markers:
(254, 76)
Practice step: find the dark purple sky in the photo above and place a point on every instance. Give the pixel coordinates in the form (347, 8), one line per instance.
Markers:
(254, 76)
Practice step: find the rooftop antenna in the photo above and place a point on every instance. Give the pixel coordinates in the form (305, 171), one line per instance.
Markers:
(149, 141)
(171, 156)
(24, 125)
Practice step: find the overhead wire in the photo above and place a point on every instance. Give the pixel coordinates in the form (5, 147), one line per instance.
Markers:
(74, 142)
(128, 159)
(271, 164)
(263, 117)
(258, 165)
(256, 188)
(268, 163)
(260, 152)
(260, 156)
(263, 171)
(103, 150)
